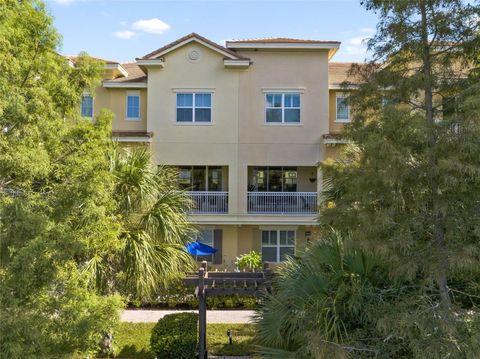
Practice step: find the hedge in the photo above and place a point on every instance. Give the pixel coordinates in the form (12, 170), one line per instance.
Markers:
(175, 336)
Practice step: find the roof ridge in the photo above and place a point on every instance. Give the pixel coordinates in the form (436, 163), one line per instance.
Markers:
(191, 36)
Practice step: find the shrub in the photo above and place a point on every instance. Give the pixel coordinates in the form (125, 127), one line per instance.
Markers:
(175, 336)
(250, 261)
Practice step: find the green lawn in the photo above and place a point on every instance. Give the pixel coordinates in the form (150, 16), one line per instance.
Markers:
(133, 340)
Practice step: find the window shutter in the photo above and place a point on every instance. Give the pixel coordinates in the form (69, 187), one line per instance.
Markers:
(218, 244)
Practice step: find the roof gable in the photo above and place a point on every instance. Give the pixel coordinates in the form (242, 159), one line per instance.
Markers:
(193, 37)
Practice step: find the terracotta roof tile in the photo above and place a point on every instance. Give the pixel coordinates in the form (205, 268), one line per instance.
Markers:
(109, 62)
(281, 40)
(338, 73)
(190, 36)
(135, 74)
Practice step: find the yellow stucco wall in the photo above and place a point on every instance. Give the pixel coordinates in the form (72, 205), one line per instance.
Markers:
(240, 239)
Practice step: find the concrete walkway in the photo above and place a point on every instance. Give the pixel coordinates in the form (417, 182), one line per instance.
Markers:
(213, 316)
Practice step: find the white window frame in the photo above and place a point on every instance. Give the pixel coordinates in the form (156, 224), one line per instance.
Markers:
(93, 105)
(193, 107)
(341, 120)
(278, 245)
(131, 94)
(283, 108)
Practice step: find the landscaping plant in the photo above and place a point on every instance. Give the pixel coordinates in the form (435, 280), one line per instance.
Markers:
(175, 336)
(251, 261)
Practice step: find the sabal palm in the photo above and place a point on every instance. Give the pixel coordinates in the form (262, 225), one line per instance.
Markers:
(315, 300)
(154, 228)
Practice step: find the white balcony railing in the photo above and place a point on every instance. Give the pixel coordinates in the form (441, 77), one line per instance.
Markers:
(209, 202)
(282, 202)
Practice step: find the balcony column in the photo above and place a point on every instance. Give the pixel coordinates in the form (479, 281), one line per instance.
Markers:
(232, 189)
(242, 189)
(319, 183)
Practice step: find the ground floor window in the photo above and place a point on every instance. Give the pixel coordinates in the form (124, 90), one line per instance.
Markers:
(205, 236)
(277, 244)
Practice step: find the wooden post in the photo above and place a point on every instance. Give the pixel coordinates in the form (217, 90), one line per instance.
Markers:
(267, 273)
(201, 313)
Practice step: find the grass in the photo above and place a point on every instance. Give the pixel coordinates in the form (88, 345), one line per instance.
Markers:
(132, 341)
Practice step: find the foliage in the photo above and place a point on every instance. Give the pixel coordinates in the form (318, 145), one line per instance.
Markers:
(175, 336)
(321, 303)
(132, 340)
(55, 193)
(407, 190)
(251, 261)
(154, 228)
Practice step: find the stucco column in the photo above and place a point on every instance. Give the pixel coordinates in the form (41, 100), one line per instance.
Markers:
(232, 189)
(242, 188)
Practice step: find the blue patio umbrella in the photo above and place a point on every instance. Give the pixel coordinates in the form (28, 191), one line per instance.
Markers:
(200, 249)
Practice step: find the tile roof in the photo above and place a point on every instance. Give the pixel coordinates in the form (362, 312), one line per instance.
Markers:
(135, 74)
(192, 36)
(338, 73)
(282, 40)
(109, 62)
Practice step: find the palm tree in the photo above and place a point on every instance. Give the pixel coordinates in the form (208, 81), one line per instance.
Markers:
(316, 300)
(154, 229)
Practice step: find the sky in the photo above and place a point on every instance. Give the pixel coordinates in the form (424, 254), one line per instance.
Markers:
(123, 30)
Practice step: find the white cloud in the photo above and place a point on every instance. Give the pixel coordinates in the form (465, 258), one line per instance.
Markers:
(367, 30)
(125, 35)
(357, 41)
(152, 26)
(123, 23)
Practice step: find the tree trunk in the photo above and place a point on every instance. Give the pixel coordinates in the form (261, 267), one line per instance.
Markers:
(437, 215)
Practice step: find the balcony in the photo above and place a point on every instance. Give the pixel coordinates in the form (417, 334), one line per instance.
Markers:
(209, 202)
(282, 202)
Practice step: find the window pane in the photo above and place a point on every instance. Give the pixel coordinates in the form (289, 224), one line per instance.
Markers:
(184, 115)
(273, 237)
(185, 178)
(286, 251)
(342, 108)
(283, 237)
(133, 106)
(274, 115)
(291, 238)
(214, 179)
(289, 180)
(265, 237)
(275, 179)
(274, 100)
(87, 106)
(184, 100)
(292, 100)
(203, 100)
(292, 115)
(205, 236)
(203, 115)
(269, 254)
(199, 179)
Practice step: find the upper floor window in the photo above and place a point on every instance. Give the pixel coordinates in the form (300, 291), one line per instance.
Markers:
(87, 106)
(194, 107)
(282, 108)
(343, 109)
(133, 106)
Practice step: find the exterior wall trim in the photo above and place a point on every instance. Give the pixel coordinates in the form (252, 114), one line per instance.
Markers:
(133, 85)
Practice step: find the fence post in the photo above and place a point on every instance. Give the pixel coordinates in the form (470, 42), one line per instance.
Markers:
(267, 273)
(202, 314)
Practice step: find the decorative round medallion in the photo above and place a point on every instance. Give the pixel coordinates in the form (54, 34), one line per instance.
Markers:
(194, 55)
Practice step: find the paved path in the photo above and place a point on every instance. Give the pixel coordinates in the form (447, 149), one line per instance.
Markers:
(213, 316)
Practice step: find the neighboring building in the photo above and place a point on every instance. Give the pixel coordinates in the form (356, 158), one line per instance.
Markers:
(246, 124)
